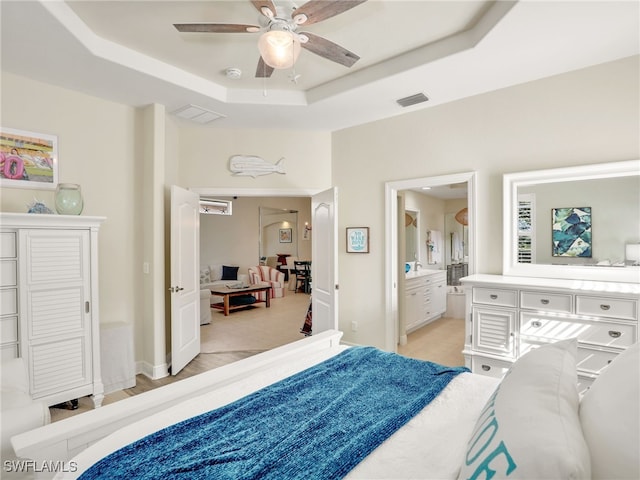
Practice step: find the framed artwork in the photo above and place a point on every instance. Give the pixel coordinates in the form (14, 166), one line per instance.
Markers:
(357, 239)
(285, 235)
(28, 159)
(571, 232)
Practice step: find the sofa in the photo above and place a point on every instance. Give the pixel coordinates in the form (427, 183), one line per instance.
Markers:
(216, 275)
(270, 275)
(18, 412)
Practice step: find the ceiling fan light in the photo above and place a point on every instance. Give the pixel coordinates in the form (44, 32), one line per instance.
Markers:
(279, 48)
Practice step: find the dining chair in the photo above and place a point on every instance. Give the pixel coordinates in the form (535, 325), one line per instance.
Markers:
(303, 275)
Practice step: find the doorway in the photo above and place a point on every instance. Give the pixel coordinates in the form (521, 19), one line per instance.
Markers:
(395, 255)
(318, 220)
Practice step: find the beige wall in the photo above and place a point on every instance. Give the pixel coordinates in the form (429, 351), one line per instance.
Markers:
(582, 117)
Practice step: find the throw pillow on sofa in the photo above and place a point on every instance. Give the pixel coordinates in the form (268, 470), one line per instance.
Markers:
(229, 273)
(205, 275)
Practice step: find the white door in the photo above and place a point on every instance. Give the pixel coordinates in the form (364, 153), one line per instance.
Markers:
(324, 268)
(185, 281)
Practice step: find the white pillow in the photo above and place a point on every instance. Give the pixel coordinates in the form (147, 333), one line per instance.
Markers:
(216, 272)
(610, 416)
(530, 426)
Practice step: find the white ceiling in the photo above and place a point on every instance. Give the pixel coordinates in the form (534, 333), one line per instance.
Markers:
(129, 52)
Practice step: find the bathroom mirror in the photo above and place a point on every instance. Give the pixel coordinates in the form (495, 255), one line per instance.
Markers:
(411, 235)
(572, 223)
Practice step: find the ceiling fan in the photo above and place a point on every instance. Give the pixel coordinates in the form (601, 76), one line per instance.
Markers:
(281, 41)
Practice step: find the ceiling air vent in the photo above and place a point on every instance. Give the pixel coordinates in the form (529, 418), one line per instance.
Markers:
(197, 114)
(412, 100)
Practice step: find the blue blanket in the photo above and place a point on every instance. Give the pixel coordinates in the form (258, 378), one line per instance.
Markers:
(317, 424)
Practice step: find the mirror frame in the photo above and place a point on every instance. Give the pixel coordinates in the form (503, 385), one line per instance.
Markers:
(512, 181)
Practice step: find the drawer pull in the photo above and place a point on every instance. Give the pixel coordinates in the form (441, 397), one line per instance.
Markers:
(486, 368)
(493, 296)
(614, 334)
(536, 323)
(544, 301)
(605, 307)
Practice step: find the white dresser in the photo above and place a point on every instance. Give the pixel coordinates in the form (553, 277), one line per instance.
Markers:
(50, 314)
(425, 297)
(508, 316)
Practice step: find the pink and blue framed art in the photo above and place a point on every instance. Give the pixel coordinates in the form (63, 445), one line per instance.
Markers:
(28, 159)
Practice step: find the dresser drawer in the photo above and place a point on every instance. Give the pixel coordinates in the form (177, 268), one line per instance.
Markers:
(593, 361)
(8, 330)
(546, 301)
(584, 384)
(489, 367)
(622, 308)
(495, 296)
(547, 328)
(8, 352)
(8, 273)
(8, 245)
(9, 301)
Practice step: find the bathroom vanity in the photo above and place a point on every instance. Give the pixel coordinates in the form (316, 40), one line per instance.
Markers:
(425, 297)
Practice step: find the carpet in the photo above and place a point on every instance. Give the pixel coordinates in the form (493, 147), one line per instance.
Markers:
(256, 328)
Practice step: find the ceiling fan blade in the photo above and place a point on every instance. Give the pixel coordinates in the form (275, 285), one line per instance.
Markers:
(329, 50)
(265, 7)
(263, 70)
(215, 28)
(318, 10)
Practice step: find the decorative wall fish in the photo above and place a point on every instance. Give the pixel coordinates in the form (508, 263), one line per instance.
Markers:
(251, 165)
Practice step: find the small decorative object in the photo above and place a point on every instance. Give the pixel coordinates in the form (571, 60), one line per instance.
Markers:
(38, 207)
(253, 166)
(407, 267)
(571, 232)
(357, 239)
(285, 235)
(69, 199)
(28, 159)
(462, 217)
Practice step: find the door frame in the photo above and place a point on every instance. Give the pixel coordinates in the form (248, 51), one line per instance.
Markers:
(391, 240)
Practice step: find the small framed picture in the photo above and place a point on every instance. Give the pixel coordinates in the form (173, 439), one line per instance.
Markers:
(285, 235)
(28, 159)
(357, 239)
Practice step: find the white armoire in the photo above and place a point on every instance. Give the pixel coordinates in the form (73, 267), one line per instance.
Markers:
(49, 313)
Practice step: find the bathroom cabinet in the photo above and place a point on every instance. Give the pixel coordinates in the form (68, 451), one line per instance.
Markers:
(425, 297)
(506, 317)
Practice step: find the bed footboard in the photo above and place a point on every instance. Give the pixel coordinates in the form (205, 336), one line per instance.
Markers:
(61, 441)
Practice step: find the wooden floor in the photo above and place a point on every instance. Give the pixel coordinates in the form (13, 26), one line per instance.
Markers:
(247, 332)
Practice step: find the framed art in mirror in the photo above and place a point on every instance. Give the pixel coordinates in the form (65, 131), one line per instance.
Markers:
(542, 240)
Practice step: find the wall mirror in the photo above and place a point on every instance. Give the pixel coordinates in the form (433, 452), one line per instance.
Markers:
(278, 235)
(411, 235)
(573, 223)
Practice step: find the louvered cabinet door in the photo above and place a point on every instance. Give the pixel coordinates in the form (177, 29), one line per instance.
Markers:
(56, 324)
(494, 331)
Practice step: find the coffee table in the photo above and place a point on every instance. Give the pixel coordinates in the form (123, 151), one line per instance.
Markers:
(226, 293)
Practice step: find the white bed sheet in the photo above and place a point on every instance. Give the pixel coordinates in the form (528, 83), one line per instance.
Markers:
(431, 445)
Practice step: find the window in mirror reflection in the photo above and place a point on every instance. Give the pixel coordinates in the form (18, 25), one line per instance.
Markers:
(526, 228)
